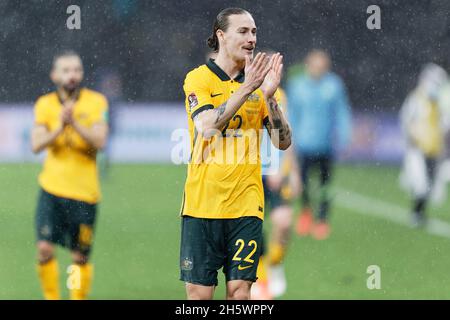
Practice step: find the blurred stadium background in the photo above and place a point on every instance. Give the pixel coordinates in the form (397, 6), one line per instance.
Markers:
(137, 53)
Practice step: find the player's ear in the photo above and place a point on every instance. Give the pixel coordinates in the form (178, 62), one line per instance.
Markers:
(220, 35)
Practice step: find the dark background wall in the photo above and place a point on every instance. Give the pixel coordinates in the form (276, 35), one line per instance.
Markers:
(152, 44)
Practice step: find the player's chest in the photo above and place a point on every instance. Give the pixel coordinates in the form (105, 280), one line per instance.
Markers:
(79, 114)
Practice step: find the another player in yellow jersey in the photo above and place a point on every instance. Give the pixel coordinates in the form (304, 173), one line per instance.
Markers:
(228, 101)
(71, 124)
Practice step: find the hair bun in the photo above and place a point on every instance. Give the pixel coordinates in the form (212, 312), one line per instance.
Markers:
(212, 42)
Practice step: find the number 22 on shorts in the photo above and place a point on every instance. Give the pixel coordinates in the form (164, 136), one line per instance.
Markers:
(241, 244)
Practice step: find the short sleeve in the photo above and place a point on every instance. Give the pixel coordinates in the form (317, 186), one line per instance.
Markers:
(40, 113)
(198, 94)
(101, 111)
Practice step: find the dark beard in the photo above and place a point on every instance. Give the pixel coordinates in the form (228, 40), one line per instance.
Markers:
(70, 89)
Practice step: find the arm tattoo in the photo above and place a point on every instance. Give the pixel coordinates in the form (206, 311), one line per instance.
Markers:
(220, 111)
(282, 126)
(273, 105)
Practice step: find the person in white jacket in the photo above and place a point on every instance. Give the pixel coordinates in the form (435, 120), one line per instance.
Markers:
(439, 192)
(423, 127)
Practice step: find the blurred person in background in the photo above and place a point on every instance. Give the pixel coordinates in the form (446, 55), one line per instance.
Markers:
(71, 125)
(439, 191)
(320, 115)
(280, 188)
(423, 127)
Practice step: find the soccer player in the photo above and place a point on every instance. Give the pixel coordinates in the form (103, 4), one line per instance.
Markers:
(423, 129)
(228, 101)
(321, 124)
(71, 124)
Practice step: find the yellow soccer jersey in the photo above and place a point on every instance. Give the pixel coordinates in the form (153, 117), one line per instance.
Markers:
(70, 168)
(224, 173)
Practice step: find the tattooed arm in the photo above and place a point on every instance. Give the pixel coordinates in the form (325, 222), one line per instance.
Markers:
(210, 121)
(281, 138)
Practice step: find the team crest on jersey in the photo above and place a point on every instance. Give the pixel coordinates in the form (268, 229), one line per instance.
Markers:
(187, 264)
(193, 101)
(254, 97)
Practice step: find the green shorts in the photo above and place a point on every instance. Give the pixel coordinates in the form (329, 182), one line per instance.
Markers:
(66, 222)
(210, 244)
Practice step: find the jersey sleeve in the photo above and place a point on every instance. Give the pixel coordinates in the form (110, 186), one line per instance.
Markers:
(198, 94)
(40, 113)
(101, 111)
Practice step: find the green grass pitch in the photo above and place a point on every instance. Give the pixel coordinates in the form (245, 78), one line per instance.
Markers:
(137, 241)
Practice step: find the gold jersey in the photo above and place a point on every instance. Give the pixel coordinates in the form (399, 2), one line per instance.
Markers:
(70, 168)
(224, 173)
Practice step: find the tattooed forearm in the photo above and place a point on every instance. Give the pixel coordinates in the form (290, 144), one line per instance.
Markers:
(210, 121)
(279, 122)
(273, 105)
(220, 111)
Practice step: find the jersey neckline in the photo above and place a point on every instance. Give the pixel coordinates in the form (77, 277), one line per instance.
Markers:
(221, 74)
